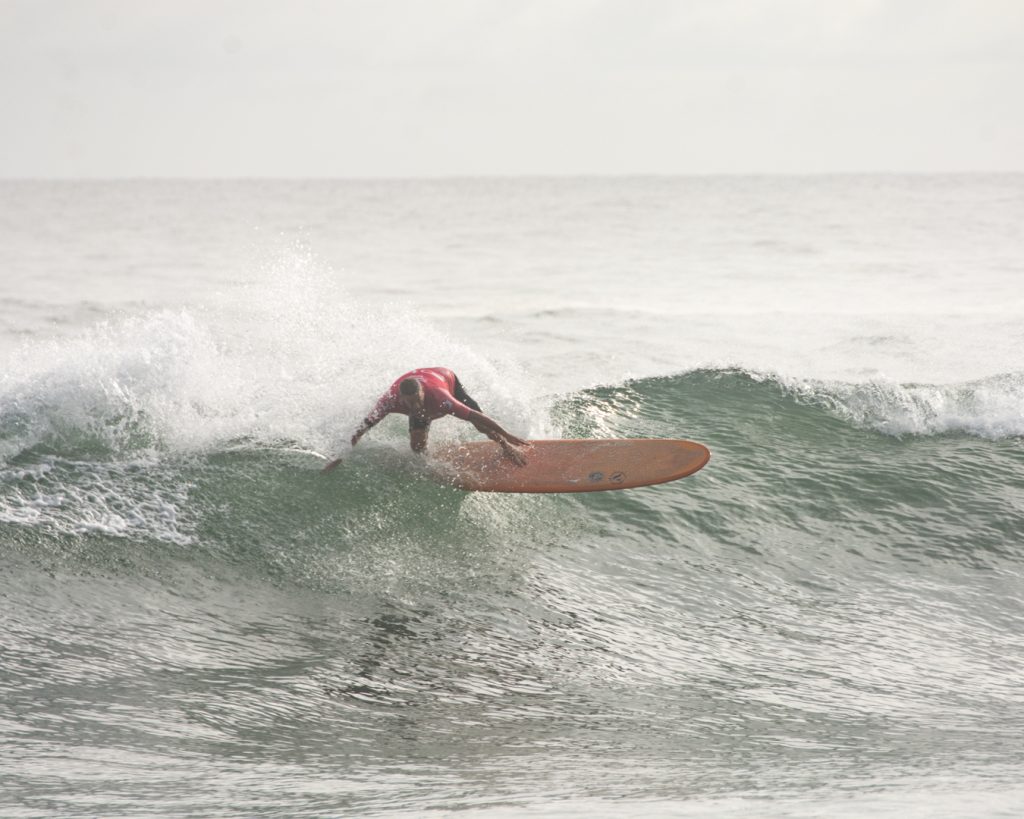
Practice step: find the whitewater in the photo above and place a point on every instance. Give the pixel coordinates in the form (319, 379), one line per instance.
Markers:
(826, 620)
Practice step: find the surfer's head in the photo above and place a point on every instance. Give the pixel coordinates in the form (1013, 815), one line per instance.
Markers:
(411, 393)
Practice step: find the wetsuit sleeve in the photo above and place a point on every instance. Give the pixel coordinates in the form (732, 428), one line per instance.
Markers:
(456, 408)
(384, 406)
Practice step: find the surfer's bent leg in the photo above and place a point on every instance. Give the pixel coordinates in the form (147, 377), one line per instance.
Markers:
(419, 428)
(463, 396)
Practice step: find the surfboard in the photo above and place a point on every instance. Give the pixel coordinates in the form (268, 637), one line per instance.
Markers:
(572, 465)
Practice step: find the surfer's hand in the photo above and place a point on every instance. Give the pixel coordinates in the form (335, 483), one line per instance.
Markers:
(331, 466)
(514, 455)
(511, 439)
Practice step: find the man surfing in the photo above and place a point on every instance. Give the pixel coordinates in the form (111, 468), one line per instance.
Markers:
(425, 395)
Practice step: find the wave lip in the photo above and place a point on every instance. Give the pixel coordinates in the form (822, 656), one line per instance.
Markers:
(991, 408)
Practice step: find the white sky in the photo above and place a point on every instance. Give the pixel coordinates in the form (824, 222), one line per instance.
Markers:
(319, 88)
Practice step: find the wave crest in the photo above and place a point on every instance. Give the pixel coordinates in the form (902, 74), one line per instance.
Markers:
(990, 408)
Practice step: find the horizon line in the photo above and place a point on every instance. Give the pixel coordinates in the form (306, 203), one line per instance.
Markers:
(504, 176)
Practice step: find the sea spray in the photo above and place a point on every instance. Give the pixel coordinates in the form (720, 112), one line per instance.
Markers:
(296, 358)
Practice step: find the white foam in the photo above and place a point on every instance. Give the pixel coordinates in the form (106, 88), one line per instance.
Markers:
(78, 497)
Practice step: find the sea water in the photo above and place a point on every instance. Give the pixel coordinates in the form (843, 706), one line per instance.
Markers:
(826, 620)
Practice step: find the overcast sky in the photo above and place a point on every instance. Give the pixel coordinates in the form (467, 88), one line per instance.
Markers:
(341, 88)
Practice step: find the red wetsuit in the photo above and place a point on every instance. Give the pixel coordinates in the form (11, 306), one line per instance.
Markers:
(438, 399)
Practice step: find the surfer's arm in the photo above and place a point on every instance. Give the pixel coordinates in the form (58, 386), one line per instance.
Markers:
(494, 431)
(369, 422)
(383, 407)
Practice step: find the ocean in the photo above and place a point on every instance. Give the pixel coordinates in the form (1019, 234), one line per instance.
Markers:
(827, 620)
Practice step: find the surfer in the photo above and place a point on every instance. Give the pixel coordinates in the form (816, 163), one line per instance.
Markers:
(425, 395)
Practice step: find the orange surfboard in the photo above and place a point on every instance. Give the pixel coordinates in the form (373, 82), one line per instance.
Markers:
(574, 465)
